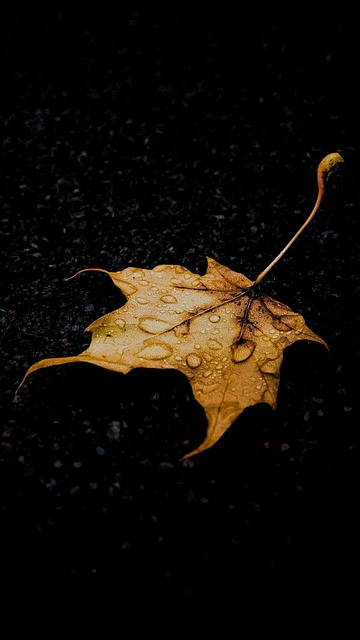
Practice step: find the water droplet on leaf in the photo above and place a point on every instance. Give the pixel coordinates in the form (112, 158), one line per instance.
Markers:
(242, 351)
(153, 325)
(214, 344)
(155, 351)
(193, 360)
(169, 299)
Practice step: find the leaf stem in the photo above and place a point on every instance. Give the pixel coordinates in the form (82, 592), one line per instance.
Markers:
(325, 168)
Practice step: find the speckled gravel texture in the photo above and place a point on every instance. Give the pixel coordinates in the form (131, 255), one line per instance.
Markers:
(135, 138)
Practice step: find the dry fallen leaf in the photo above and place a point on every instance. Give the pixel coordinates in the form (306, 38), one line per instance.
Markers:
(219, 329)
(226, 337)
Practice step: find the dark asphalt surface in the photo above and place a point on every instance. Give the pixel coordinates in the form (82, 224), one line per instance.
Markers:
(138, 138)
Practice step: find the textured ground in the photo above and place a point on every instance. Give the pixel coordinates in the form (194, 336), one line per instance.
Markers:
(140, 138)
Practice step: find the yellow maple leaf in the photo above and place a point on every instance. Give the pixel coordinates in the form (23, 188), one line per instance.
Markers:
(219, 329)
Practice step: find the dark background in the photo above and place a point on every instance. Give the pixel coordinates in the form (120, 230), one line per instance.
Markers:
(139, 137)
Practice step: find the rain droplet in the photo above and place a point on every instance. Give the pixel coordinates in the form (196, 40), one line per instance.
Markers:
(214, 344)
(153, 325)
(215, 331)
(169, 299)
(141, 300)
(214, 318)
(155, 351)
(193, 360)
(178, 358)
(138, 274)
(197, 346)
(212, 387)
(207, 373)
(120, 323)
(243, 351)
(144, 282)
(187, 276)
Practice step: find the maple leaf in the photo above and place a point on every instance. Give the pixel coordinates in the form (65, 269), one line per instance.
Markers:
(219, 329)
